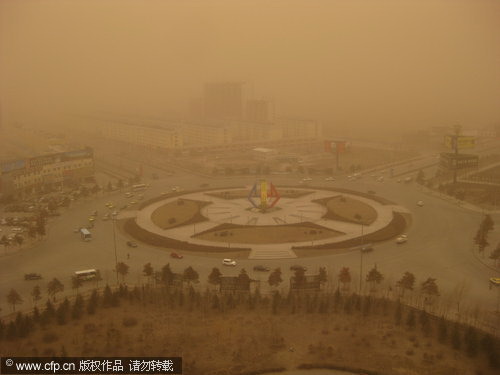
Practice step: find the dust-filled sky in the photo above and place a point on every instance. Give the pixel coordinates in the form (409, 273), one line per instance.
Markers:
(359, 63)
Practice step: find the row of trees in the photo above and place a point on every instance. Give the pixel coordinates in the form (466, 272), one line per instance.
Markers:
(166, 276)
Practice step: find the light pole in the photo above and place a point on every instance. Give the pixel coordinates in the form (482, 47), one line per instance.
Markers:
(361, 259)
(116, 255)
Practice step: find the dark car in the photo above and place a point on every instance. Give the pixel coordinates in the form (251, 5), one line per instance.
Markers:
(176, 256)
(296, 267)
(32, 276)
(261, 268)
(131, 244)
(366, 248)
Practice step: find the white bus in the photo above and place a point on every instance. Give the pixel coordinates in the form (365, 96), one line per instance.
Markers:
(85, 233)
(87, 274)
(139, 187)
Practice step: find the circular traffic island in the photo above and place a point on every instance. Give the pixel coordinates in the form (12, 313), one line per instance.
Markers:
(265, 221)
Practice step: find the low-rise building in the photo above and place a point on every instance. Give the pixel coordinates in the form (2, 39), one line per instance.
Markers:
(24, 176)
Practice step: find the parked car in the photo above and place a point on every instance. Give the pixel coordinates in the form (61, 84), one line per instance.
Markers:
(420, 203)
(261, 268)
(176, 256)
(307, 179)
(329, 179)
(32, 276)
(228, 262)
(131, 244)
(296, 267)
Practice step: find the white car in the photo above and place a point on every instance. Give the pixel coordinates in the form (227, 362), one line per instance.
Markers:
(420, 203)
(228, 262)
(307, 179)
(380, 179)
(329, 179)
(402, 239)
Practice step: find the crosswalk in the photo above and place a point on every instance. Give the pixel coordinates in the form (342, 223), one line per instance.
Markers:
(272, 254)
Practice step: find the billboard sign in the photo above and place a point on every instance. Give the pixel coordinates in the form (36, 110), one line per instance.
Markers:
(464, 142)
(335, 146)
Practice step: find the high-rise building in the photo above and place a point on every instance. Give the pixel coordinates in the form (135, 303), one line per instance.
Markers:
(258, 111)
(223, 100)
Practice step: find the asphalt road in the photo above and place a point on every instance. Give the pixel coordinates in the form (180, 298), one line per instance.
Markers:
(439, 245)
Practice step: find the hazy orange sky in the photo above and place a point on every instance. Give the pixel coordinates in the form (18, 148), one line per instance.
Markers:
(361, 63)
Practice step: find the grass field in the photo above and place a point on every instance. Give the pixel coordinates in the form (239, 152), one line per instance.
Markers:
(348, 209)
(177, 213)
(268, 234)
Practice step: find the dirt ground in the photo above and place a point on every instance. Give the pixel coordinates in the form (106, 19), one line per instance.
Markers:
(237, 341)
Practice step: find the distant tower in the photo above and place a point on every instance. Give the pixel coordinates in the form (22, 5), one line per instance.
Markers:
(223, 100)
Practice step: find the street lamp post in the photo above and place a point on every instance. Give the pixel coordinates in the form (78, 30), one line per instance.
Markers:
(116, 255)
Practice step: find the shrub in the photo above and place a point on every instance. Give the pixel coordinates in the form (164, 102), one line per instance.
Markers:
(129, 322)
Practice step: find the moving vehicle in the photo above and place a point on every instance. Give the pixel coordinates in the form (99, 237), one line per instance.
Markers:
(329, 179)
(420, 203)
(176, 256)
(366, 248)
(495, 281)
(87, 274)
(131, 244)
(261, 268)
(175, 188)
(85, 233)
(129, 195)
(32, 276)
(296, 267)
(139, 187)
(228, 262)
(402, 239)
(307, 179)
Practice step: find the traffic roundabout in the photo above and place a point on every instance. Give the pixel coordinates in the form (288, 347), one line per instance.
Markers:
(265, 221)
